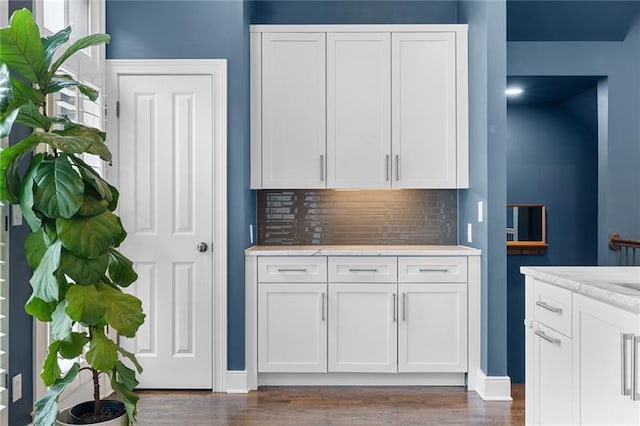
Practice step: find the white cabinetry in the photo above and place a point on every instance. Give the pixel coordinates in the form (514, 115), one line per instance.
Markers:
(396, 106)
(293, 110)
(358, 110)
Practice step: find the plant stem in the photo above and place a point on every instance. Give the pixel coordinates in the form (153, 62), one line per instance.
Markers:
(96, 384)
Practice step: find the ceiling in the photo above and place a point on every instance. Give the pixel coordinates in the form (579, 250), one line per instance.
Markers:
(570, 20)
(549, 89)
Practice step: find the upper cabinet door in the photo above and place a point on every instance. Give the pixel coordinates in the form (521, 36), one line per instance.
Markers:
(424, 110)
(358, 110)
(293, 110)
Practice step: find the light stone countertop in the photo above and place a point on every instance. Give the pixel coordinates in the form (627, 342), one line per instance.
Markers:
(361, 251)
(616, 285)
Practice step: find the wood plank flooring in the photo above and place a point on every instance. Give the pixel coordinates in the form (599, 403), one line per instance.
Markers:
(330, 406)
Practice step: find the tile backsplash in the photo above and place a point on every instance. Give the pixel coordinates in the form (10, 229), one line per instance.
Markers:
(334, 217)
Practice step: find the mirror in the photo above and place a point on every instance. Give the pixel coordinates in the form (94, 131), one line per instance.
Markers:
(526, 229)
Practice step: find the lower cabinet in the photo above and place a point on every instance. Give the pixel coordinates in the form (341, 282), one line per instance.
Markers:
(363, 328)
(292, 327)
(432, 328)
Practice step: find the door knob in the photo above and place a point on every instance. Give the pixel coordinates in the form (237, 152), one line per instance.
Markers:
(202, 247)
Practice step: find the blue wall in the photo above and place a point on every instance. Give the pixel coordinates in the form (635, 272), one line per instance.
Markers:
(487, 170)
(552, 159)
(619, 149)
(203, 30)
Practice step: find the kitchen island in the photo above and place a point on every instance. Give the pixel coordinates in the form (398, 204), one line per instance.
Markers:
(583, 330)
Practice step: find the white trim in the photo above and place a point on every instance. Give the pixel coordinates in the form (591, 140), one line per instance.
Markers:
(355, 28)
(255, 86)
(361, 379)
(494, 388)
(217, 69)
(236, 382)
(462, 109)
(473, 322)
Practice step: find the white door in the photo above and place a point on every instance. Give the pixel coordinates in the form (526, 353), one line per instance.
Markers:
(424, 110)
(166, 204)
(292, 328)
(293, 110)
(552, 357)
(597, 363)
(363, 328)
(432, 331)
(358, 110)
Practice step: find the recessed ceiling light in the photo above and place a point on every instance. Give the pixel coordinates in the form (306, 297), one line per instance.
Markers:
(514, 91)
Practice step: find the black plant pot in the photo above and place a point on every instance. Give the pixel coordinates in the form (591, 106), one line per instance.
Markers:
(112, 413)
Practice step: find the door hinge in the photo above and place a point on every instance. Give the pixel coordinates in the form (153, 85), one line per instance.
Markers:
(118, 109)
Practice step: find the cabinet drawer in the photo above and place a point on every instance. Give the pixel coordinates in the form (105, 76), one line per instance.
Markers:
(432, 269)
(288, 269)
(552, 307)
(363, 269)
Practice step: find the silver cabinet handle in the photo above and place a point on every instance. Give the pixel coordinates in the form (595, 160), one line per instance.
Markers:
(292, 269)
(549, 307)
(324, 295)
(404, 306)
(321, 167)
(386, 167)
(363, 270)
(395, 313)
(433, 269)
(397, 167)
(624, 339)
(634, 368)
(547, 338)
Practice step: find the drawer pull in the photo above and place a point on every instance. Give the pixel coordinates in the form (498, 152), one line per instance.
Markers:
(363, 270)
(549, 307)
(547, 338)
(395, 313)
(624, 339)
(404, 306)
(292, 269)
(433, 269)
(324, 295)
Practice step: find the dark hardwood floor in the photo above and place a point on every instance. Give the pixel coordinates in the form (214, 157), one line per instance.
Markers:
(330, 406)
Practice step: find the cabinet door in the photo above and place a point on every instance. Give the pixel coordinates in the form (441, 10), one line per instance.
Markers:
(424, 110)
(293, 110)
(292, 328)
(552, 358)
(599, 371)
(358, 110)
(432, 330)
(362, 328)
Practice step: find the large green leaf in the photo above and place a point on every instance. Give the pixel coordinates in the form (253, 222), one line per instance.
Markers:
(40, 309)
(50, 368)
(31, 116)
(125, 375)
(84, 42)
(103, 353)
(8, 156)
(7, 119)
(123, 381)
(6, 88)
(12, 176)
(26, 93)
(92, 236)
(53, 42)
(91, 177)
(94, 137)
(21, 47)
(85, 304)
(131, 358)
(43, 281)
(60, 81)
(121, 269)
(61, 323)
(124, 311)
(73, 347)
(35, 248)
(92, 204)
(59, 188)
(26, 194)
(47, 406)
(115, 196)
(83, 271)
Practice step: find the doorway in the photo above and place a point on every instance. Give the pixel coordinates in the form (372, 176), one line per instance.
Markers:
(552, 159)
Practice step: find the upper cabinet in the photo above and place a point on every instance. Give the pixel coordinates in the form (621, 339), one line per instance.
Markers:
(359, 106)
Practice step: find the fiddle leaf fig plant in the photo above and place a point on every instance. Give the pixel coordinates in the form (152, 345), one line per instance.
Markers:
(78, 273)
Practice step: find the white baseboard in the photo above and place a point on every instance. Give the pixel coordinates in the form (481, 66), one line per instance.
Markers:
(494, 388)
(236, 382)
(361, 379)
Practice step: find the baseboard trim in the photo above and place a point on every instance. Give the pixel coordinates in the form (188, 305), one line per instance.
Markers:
(494, 388)
(361, 379)
(236, 382)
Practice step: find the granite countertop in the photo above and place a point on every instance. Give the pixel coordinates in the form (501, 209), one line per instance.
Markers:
(617, 285)
(413, 250)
